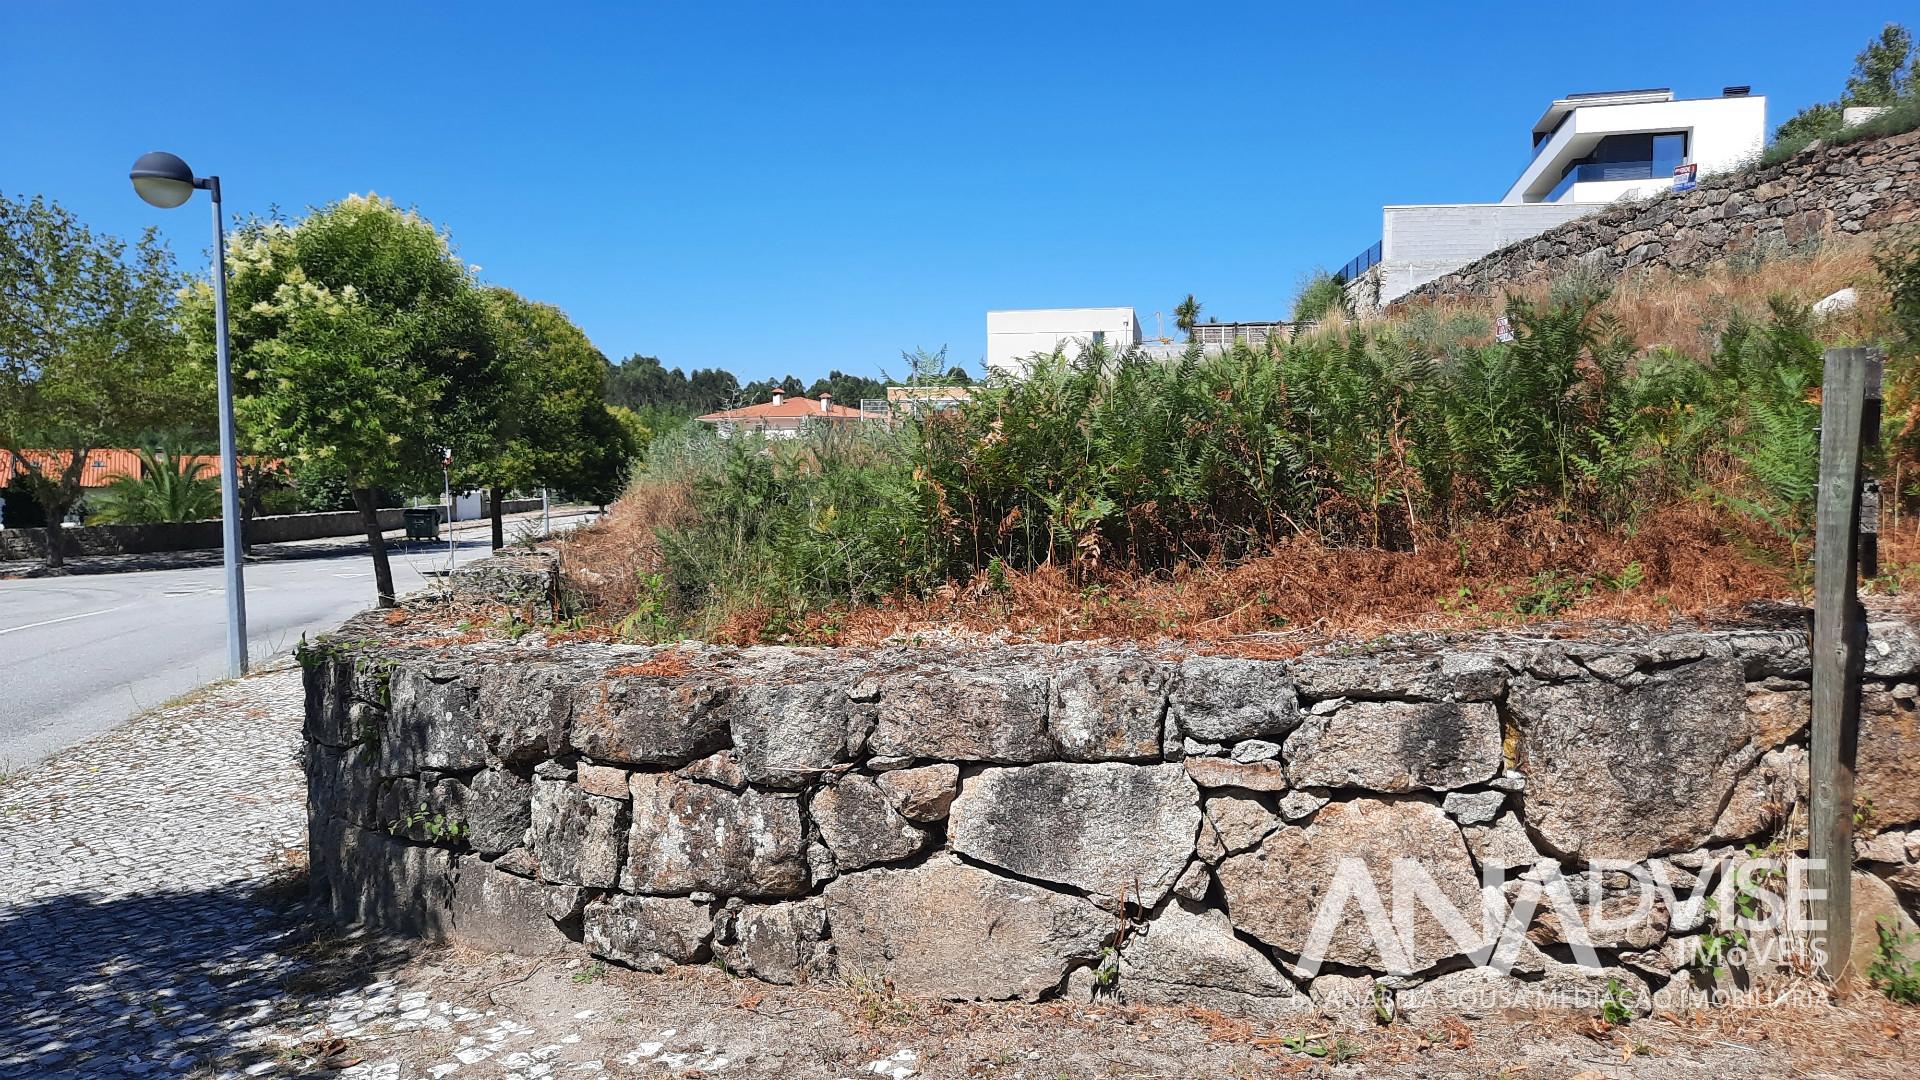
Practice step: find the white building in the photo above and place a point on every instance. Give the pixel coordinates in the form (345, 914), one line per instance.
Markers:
(1595, 148)
(1014, 336)
(1588, 150)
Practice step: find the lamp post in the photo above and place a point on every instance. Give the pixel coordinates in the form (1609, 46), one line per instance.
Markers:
(165, 181)
(446, 478)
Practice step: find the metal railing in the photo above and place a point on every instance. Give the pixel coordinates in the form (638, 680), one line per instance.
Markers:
(1598, 171)
(1361, 263)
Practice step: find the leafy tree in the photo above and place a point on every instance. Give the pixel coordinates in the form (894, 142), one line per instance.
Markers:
(168, 487)
(1319, 294)
(641, 381)
(554, 430)
(933, 369)
(1886, 72)
(360, 341)
(848, 390)
(88, 357)
(760, 391)
(1186, 313)
(1810, 123)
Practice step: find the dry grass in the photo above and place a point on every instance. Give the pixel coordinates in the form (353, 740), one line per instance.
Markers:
(607, 562)
(1690, 561)
(1658, 306)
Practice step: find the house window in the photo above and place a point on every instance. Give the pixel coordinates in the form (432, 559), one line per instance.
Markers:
(1669, 152)
(1099, 337)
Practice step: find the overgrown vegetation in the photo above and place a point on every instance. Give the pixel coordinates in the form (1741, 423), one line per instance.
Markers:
(1319, 295)
(1416, 462)
(1891, 972)
(1886, 75)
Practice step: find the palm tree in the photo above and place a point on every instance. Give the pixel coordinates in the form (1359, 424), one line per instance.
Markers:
(169, 488)
(1186, 313)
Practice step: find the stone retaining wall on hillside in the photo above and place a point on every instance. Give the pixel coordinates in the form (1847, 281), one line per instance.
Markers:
(1864, 188)
(1016, 822)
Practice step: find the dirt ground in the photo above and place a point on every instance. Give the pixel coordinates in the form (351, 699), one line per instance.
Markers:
(516, 1016)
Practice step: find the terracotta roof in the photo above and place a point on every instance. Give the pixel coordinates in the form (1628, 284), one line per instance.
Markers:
(791, 407)
(104, 465)
(102, 468)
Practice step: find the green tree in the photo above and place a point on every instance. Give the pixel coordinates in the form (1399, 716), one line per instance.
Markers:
(1319, 294)
(88, 357)
(639, 382)
(1186, 313)
(1886, 72)
(554, 430)
(168, 487)
(360, 341)
(1810, 123)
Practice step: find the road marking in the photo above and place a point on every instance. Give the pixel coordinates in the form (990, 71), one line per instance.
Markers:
(63, 618)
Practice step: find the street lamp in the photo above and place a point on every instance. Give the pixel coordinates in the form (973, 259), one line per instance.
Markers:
(165, 181)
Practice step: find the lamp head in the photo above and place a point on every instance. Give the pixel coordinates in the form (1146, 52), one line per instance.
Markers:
(162, 179)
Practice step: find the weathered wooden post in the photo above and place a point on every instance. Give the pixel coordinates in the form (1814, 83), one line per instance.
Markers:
(1848, 424)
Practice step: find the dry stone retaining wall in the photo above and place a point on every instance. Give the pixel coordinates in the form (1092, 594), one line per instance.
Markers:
(1862, 188)
(1015, 822)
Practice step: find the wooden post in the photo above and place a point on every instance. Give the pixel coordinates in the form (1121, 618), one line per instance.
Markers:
(1870, 484)
(1839, 633)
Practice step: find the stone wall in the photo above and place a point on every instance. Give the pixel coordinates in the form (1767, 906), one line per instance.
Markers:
(200, 535)
(1862, 188)
(1022, 821)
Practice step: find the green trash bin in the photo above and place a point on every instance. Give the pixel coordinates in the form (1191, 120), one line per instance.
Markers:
(423, 523)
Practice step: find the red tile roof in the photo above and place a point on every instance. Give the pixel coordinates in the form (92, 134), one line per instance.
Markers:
(791, 407)
(103, 467)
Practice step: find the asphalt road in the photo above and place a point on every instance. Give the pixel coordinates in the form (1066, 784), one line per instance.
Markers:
(81, 654)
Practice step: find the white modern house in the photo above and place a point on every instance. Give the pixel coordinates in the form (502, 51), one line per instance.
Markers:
(1595, 148)
(1013, 336)
(1588, 150)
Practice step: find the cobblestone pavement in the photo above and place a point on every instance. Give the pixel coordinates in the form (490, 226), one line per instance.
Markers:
(131, 939)
(152, 923)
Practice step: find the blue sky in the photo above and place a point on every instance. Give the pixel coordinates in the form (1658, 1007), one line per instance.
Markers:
(797, 187)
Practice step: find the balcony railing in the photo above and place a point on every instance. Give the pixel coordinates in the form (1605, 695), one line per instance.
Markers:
(1606, 170)
(1360, 263)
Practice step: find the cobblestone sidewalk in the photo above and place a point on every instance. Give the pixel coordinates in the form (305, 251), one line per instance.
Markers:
(131, 939)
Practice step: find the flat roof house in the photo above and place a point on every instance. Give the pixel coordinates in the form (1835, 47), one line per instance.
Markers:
(1014, 336)
(1587, 151)
(781, 418)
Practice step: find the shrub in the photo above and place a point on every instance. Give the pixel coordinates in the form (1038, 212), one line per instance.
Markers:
(1388, 436)
(168, 488)
(1898, 119)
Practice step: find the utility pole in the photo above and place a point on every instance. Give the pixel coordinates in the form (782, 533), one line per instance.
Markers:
(1849, 423)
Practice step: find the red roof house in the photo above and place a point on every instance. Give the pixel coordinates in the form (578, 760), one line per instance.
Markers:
(782, 418)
